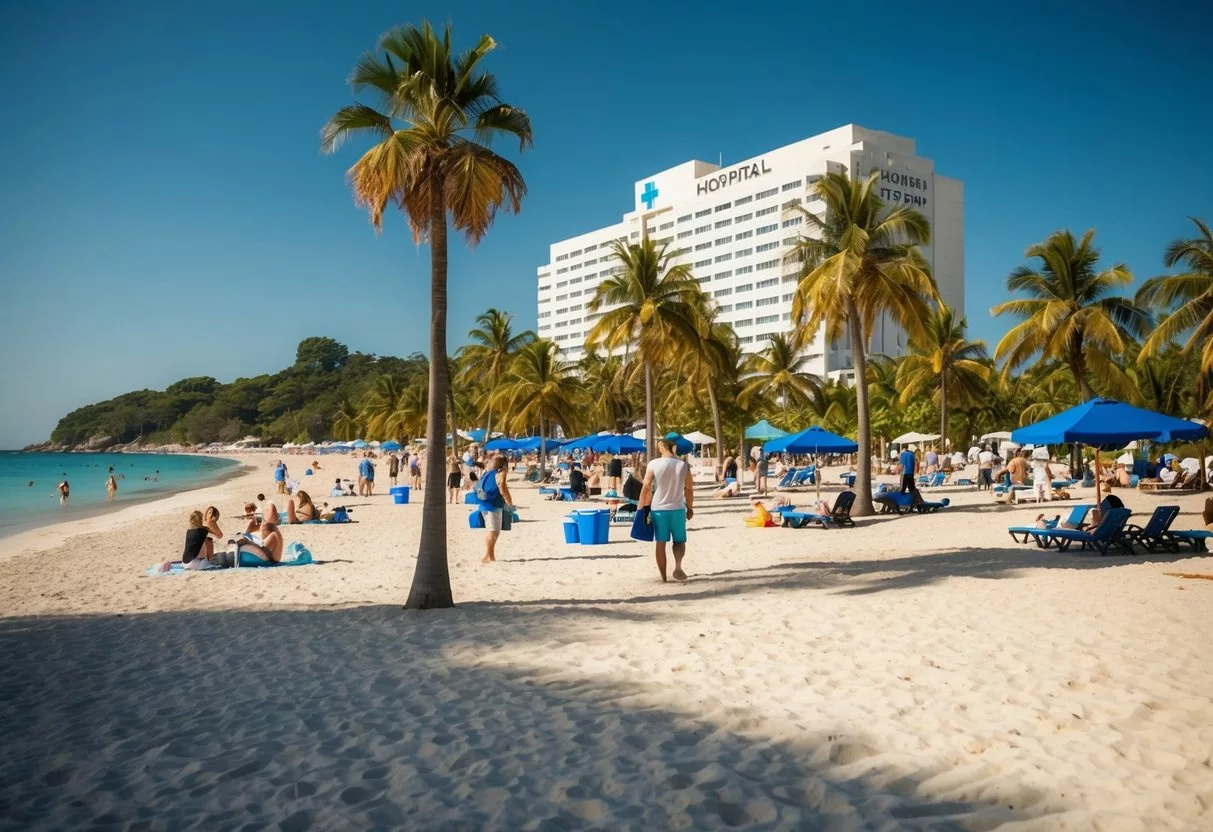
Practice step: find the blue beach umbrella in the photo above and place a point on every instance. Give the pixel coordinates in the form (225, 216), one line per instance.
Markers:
(682, 445)
(501, 443)
(390, 445)
(359, 444)
(814, 440)
(1106, 424)
(616, 444)
(581, 443)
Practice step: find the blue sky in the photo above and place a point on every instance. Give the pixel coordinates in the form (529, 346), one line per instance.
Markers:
(167, 212)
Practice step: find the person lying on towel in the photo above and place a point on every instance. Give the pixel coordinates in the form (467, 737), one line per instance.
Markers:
(268, 547)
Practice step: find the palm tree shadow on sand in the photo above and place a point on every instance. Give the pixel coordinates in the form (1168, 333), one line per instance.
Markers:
(373, 716)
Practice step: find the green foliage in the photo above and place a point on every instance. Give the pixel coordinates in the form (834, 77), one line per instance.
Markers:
(296, 404)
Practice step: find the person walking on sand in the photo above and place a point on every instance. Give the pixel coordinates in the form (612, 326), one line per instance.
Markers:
(669, 495)
(764, 468)
(280, 477)
(493, 499)
(909, 467)
(366, 477)
(393, 468)
(415, 471)
(111, 486)
(454, 478)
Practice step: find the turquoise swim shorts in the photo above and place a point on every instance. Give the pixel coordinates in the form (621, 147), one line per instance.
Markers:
(670, 523)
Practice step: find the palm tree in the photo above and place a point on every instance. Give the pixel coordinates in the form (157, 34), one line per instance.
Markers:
(493, 346)
(1189, 296)
(862, 260)
(436, 163)
(942, 358)
(1072, 315)
(777, 372)
(540, 388)
(346, 421)
(1048, 393)
(605, 382)
(655, 312)
(717, 358)
(379, 407)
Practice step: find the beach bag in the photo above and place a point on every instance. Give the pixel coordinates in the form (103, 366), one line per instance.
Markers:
(642, 526)
(1208, 512)
(340, 515)
(476, 520)
(296, 553)
(507, 520)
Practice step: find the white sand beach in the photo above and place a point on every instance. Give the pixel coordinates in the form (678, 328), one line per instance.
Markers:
(915, 672)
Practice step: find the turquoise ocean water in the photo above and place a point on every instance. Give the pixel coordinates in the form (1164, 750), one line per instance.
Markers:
(140, 477)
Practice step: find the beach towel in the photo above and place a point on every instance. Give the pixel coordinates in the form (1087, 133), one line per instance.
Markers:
(642, 526)
(295, 554)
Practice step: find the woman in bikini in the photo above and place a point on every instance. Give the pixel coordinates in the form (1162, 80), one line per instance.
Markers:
(300, 509)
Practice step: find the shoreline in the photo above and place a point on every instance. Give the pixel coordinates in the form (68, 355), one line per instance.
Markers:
(107, 517)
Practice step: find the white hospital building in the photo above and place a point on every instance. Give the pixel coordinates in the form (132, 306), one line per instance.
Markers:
(735, 223)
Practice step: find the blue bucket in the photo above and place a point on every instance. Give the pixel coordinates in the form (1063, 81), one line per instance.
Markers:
(570, 530)
(400, 494)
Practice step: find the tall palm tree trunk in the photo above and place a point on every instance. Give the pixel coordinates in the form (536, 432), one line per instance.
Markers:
(863, 480)
(543, 449)
(650, 418)
(717, 427)
(943, 411)
(431, 587)
(450, 401)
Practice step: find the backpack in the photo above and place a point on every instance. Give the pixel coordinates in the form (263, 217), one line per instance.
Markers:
(487, 491)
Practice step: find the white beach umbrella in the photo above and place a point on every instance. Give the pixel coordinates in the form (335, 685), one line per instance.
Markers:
(698, 438)
(998, 434)
(914, 437)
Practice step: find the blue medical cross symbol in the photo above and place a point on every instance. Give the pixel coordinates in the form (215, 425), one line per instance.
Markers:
(649, 195)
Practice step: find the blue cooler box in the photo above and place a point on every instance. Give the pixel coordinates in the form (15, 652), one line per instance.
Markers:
(593, 526)
(570, 530)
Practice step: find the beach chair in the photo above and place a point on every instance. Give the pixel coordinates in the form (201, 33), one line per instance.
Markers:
(840, 514)
(1109, 534)
(802, 476)
(936, 480)
(1077, 520)
(1198, 539)
(1156, 534)
(786, 480)
(848, 478)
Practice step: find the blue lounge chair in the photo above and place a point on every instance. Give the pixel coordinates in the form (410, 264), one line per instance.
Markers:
(1107, 535)
(802, 476)
(786, 480)
(893, 502)
(1156, 534)
(936, 480)
(1198, 539)
(1076, 520)
(840, 514)
(848, 479)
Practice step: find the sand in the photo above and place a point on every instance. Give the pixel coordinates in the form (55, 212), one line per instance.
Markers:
(919, 672)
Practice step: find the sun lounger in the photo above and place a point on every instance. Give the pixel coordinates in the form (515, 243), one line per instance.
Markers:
(848, 479)
(1198, 539)
(803, 477)
(786, 480)
(840, 514)
(893, 502)
(1156, 534)
(1107, 535)
(1076, 520)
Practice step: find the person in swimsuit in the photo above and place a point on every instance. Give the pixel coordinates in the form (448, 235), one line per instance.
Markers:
(111, 487)
(200, 539)
(415, 472)
(614, 474)
(454, 478)
(65, 491)
(300, 509)
(270, 548)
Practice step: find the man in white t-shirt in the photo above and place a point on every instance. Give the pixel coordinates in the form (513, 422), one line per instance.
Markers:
(668, 494)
